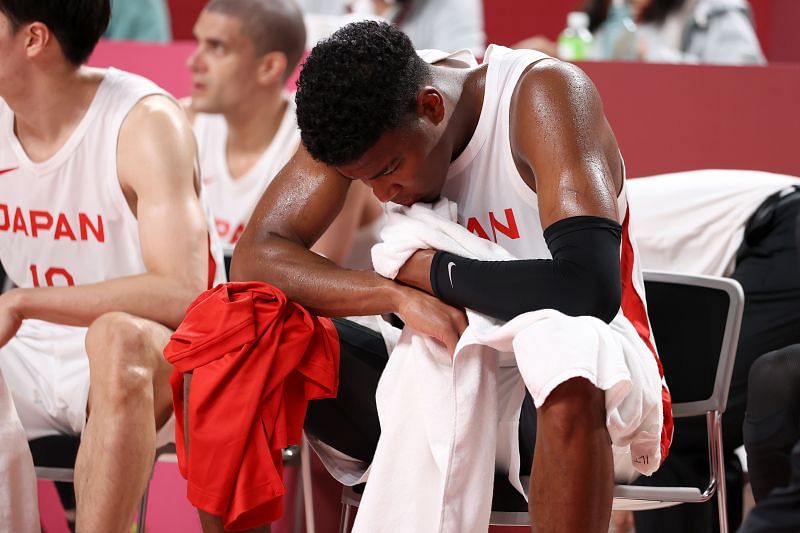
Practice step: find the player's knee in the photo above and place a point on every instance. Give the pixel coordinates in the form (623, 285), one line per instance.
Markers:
(120, 354)
(773, 397)
(768, 369)
(574, 406)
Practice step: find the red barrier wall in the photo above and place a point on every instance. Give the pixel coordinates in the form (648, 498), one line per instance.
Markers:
(164, 64)
(183, 14)
(666, 117)
(675, 117)
(509, 21)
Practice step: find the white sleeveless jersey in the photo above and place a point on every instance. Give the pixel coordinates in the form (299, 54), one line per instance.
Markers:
(65, 221)
(495, 203)
(234, 199)
(693, 222)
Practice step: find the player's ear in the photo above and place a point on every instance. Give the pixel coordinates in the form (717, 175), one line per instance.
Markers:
(272, 67)
(37, 37)
(430, 104)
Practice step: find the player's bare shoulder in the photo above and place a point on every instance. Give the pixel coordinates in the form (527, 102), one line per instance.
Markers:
(156, 148)
(556, 111)
(549, 88)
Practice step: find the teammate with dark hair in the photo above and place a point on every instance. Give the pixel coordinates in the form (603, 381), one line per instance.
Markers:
(103, 232)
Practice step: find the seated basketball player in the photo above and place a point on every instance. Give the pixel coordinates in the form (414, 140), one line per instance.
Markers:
(103, 231)
(245, 121)
(524, 138)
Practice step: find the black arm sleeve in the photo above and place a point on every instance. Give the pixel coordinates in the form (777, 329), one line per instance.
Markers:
(583, 278)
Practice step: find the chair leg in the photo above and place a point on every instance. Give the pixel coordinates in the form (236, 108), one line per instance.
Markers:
(308, 494)
(344, 519)
(141, 523)
(719, 464)
(298, 521)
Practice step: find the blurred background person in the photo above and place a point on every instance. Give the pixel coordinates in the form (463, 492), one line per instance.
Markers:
(669, 31)
(139, 20)
(440, 24)
(245, 125)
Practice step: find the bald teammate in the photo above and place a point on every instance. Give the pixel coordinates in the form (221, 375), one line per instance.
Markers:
(103, 231)
(522, 146)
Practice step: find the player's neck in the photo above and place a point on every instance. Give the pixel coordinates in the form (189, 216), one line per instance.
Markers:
(52, 107)
(250, 134)
(465, 97)
(253, 125)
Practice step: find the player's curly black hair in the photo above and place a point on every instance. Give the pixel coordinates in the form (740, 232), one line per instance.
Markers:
(354, 86)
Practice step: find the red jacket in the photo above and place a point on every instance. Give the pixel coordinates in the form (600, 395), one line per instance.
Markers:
(257, 360)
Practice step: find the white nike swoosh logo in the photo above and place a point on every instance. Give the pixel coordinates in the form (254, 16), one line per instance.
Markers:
(450, 266)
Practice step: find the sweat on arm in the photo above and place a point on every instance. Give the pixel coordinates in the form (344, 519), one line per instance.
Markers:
(582, 278)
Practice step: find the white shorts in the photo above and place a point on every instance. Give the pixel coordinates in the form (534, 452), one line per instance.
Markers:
(18, 506)
(47, 370)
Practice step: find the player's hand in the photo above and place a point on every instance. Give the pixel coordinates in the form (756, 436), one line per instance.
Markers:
(416, 272)
(10, 316)
(430, 316)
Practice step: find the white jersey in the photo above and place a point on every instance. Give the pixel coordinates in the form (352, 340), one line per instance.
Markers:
(65, 222)
(693, 222)
(234, 199)
(495, 203)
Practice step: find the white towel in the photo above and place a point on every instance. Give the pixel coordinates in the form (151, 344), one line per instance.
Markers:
(447, 424)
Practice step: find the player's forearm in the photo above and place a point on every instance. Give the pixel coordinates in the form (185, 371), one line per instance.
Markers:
(156, 297)
(315, 282)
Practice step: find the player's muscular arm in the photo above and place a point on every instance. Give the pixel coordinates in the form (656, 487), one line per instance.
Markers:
(563, 145)
(295, 210)
(155, 160)
(565, 151)
(337, 241)
(297, 207)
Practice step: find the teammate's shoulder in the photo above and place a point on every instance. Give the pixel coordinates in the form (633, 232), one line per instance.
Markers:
(550, 72)
(157, 110)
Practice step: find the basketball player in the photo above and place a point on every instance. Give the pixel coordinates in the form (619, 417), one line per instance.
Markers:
(102, 230)
(245, 121)
(522, 146)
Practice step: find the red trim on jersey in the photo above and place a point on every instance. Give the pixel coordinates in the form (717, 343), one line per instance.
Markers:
(634, 310)
(212, 266)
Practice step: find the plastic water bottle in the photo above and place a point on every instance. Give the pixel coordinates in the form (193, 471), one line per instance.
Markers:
(616, 37)
(575, 42)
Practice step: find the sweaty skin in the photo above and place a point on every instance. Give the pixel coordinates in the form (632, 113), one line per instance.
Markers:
(563, 147)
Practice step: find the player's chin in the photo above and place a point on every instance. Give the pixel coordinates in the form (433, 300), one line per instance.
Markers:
(202, 105)
(431, 198)
(408, 202)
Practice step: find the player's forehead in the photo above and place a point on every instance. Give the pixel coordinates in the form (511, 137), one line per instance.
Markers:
(377, 158)
(213, 25)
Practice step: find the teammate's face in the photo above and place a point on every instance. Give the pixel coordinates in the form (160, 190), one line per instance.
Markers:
(407, 165)
(224, 65)
(11, 57)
